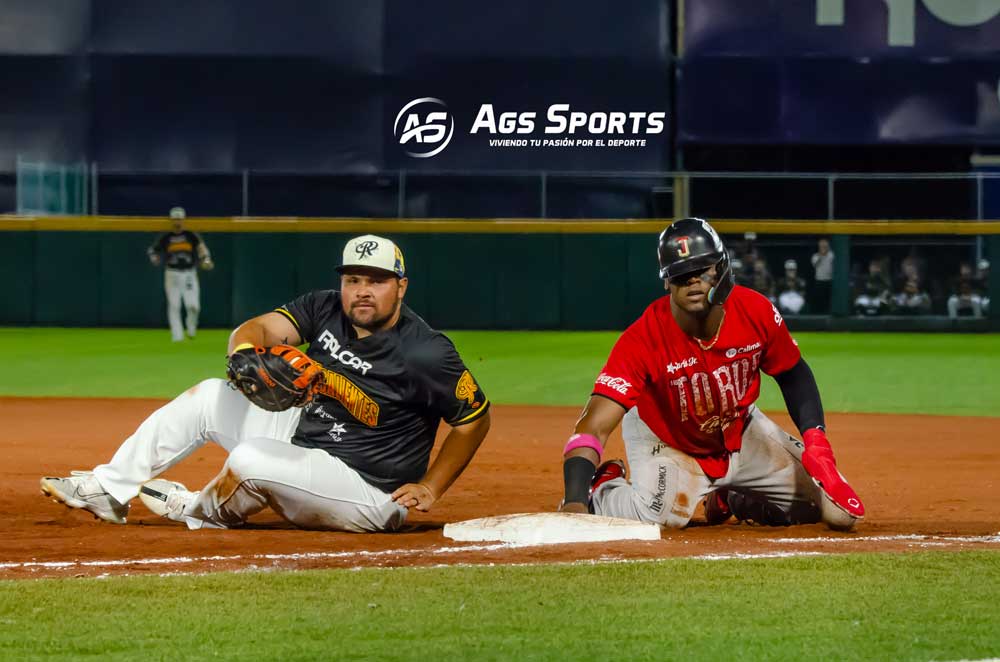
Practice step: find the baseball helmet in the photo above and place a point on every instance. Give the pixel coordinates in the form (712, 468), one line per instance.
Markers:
(177, 213)
(691, 244)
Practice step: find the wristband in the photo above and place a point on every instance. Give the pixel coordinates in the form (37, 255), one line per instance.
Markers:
(584, 441)
(245, 345)
(577, 474)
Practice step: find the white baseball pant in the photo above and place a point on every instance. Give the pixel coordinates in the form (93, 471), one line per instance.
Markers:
(667, 484)
(308, 487)
(181, 285)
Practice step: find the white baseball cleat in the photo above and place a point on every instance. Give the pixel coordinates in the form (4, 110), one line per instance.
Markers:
(82, 490)
(166, 498)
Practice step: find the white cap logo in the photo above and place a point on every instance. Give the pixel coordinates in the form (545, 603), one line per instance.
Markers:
(423, 136)
(365, 249)
(375, 252)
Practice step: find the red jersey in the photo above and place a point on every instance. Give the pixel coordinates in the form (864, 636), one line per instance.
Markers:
(696, 399)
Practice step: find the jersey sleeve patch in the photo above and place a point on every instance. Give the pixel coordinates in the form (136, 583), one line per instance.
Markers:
(468, 397)
(619, 389)
(466, 388)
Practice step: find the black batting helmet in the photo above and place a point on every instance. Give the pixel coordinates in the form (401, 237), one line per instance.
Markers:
(691, 244)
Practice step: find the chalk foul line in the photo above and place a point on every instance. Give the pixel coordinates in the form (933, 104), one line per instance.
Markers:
(417, 553)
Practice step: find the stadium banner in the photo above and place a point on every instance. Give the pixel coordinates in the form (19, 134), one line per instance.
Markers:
(336, 86)
(840, 72)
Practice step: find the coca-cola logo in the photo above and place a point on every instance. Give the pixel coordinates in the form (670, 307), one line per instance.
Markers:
(618, 384)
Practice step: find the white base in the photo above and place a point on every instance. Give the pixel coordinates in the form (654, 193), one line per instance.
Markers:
(550, 528)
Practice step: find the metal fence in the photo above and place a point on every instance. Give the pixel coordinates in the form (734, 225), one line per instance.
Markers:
(70, 189)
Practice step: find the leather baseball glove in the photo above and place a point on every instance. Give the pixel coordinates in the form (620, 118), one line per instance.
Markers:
(274, 378)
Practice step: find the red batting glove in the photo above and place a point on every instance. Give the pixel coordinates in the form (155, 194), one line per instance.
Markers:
(817, 459)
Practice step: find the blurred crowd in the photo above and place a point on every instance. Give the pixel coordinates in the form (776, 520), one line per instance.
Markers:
(910, 291)
(884, 288)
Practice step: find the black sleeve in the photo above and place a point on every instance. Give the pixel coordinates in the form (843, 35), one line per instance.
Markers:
(798, 387)
(452, 392)
(160, 245)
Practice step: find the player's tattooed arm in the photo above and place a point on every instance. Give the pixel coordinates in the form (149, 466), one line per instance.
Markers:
(265, 330)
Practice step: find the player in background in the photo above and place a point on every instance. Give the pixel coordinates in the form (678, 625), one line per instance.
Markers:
(356, 458)
(182, 253)
(682, 381)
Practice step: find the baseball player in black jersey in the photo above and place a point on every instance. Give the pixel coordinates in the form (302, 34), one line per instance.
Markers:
(355, 458)
(182, 253)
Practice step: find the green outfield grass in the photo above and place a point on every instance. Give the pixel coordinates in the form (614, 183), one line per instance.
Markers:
(927, 606)
(924, 606)
(857, 372)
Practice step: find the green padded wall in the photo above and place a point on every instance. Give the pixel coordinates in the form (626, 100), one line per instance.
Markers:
(216, 285)
(643, 277)
(131, 288)
(17, 270)
(457, 281)
(993, 253)
(265, 272)
(67, 278)
(526, 281)
(840, 301)
(461, 279)
(594, 281)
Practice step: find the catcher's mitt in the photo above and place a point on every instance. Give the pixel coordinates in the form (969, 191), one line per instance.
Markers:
(274, 378)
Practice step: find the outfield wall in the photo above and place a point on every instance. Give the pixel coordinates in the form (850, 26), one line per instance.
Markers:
(500, 274)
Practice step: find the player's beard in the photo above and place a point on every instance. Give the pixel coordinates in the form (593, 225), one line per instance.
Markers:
(374, 323)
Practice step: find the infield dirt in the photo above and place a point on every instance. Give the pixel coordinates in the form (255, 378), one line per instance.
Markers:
(926, 482)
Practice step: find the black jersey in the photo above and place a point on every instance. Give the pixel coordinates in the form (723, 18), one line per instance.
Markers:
(178, 249)
(384, 395)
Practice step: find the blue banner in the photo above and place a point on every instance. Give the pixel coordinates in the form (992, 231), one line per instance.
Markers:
(840, 72)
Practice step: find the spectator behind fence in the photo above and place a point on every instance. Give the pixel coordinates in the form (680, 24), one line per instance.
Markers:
(874, 296)
(911, 300)
(740, 272)
(983, 277)
(909, 269)
(965, 300)
(822, 262)
(761, 279)
(791, 290)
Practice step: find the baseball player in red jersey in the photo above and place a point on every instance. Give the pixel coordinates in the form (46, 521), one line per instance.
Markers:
(682, 381)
